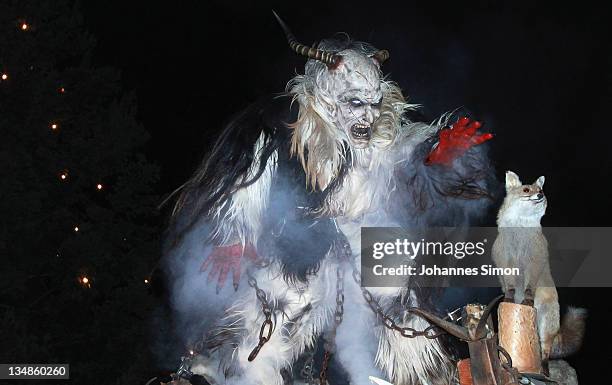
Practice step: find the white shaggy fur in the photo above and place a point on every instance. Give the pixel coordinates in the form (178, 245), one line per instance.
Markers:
(303, 312)
(240, 222)
(359, 202)
(295, 327)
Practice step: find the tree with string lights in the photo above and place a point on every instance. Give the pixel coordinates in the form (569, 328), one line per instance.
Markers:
(79, 233)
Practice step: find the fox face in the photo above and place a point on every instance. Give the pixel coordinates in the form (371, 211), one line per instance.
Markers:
(523, 202)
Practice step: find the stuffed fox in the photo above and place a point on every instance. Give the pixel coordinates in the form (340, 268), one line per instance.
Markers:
(521, 243)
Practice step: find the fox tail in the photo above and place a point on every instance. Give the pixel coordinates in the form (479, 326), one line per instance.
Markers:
(571, 333)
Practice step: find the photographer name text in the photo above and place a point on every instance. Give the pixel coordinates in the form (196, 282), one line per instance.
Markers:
(434, 270)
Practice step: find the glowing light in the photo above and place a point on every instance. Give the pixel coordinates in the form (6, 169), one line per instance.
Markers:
(99, 186)
(24, 26)
(76, 229)
(146, 280)
(191, 352)
(63, 175)
(85, 281)
(4, 76)
(54, 126)
(62, 90)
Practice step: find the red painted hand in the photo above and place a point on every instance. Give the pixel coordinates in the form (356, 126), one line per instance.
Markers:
(225, 259)
(456, 140)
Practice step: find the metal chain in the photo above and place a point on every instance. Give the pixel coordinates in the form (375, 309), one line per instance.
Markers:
(324, 366)
(339, 314)
(338, 317)
(431, 332)
(265, 332)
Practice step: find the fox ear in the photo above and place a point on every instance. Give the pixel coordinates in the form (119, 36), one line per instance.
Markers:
(540, 181)
(512, 180)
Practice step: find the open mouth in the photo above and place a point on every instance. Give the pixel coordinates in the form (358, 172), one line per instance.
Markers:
(535, 201)
(360, 131)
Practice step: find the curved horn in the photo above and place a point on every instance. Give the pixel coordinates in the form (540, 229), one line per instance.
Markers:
(381, 56)
(332, 60)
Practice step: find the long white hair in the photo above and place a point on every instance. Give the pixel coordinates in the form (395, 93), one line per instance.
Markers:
(316, 141)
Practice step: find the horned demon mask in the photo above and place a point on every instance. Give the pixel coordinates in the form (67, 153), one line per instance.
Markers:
(346, 84)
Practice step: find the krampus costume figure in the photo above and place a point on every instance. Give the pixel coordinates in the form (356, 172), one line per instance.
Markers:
(266, 235)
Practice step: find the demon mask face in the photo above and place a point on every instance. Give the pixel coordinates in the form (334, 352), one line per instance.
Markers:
(354, 88)
(346, 85)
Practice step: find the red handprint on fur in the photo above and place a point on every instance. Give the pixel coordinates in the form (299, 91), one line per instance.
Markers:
(456, 140)
(225, 259)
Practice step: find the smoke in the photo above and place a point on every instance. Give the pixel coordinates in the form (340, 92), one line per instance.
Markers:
(194, 303)
(388, 186)
(356, 339)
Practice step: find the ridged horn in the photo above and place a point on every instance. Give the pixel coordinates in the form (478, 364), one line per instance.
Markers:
(381, 56)
(332, 60)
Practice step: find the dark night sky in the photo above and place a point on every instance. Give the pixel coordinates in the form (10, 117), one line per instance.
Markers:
(538, 76)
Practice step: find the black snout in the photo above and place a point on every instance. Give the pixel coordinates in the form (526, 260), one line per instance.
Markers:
(540, 195)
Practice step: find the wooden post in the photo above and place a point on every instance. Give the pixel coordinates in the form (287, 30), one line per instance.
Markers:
(518, 334)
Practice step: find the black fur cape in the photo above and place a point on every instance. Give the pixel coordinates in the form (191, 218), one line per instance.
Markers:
(429, 195)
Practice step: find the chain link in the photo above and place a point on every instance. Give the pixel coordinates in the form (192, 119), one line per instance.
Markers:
(431, 332)
(324, 366)
(338, 317)
(339, 314)
(267, 327)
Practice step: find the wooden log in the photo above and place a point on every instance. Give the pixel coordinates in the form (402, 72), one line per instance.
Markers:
(518, 335)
